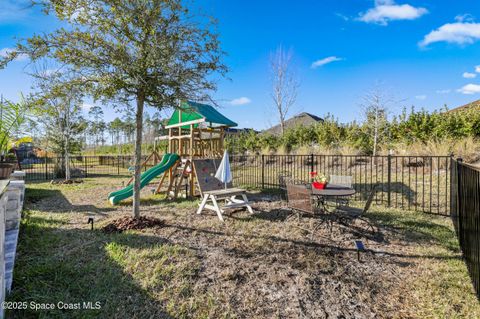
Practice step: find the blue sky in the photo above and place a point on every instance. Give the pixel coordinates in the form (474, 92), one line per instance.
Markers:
(424, 53)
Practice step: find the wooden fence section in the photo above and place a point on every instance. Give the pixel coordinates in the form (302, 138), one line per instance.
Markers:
(465, 213)
(419, 183)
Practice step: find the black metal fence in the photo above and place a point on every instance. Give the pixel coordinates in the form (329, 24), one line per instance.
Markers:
(48, 168)
(412, 182)
(419, 183)
(465, 213)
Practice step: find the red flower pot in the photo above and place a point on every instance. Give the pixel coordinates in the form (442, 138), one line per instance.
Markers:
(318, 185)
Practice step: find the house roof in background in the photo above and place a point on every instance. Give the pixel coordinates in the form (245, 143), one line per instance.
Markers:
(467, 107)
(231, 130)
(303, 119)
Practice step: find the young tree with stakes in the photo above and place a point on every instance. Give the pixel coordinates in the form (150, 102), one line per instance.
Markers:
(150, 52)
(375, 107)
(284, 84)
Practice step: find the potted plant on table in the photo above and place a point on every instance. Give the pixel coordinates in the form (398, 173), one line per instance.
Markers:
(319, 181)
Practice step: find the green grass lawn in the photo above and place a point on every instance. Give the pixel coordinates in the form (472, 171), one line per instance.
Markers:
(444, 288)
(170, 272)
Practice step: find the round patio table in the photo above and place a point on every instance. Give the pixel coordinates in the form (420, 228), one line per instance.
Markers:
(331, 191)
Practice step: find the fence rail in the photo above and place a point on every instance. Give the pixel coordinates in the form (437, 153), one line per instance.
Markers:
(419, 183)
(465, 213)
(48, 168)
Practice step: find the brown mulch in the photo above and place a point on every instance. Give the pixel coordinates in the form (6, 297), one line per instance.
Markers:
(66, 182)
(128, 223)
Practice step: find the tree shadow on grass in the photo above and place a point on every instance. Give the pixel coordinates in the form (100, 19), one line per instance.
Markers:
(302, 243)
(34, 196)
(412, 228)
(272, 215)
(418, 230)
(76, 265)
(161, 200)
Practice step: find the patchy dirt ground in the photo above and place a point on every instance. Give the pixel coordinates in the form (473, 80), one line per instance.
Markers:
(269, 264)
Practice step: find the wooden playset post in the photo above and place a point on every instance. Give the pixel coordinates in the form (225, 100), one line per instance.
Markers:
(192, 155)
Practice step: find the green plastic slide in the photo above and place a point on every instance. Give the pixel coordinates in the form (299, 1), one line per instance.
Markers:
(168, 161)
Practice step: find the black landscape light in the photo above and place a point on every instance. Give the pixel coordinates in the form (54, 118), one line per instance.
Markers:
(360, 247)
(90, 221)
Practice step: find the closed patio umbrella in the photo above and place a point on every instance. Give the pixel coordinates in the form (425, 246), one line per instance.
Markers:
(223, 172)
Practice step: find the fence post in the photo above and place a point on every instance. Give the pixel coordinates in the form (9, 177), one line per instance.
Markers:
(459, 207)
(46, 167)
(118, 165)
(312, 165)
(263, 171)
(85, 165)
(389, 180)
(452, 191)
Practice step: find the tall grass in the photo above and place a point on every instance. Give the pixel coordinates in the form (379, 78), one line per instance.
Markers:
(468, 148)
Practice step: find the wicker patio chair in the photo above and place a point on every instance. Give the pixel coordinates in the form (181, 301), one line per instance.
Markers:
(300, 198)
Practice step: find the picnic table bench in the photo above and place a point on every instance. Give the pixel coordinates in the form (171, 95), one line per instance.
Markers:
(228, 195)
(215, 196)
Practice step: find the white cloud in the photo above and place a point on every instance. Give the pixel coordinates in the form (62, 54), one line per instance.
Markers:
(470, 89)
(421, 97)
(5, 51)
(51, 71)
(342, 16)
(477, 69)
(324, 61)
(240, 101)
(86, 106)
(468, 75)
(458, 33)
(443, 91)
(387, 10)
(464, 18)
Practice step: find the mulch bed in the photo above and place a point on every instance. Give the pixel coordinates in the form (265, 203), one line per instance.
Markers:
(66, 182)
(127, 223)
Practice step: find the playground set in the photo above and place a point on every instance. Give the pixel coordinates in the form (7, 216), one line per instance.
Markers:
(195, 131)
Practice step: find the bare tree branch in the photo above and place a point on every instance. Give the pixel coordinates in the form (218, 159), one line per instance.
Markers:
(284, 84)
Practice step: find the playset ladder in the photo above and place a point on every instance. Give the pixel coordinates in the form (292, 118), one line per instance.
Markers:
(177, 174)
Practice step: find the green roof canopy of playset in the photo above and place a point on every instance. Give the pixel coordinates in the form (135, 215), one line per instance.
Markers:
(196, 113)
